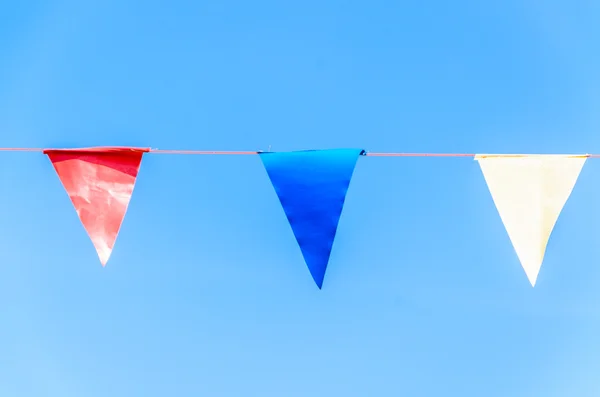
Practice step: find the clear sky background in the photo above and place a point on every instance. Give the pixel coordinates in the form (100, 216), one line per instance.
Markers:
(206, 293)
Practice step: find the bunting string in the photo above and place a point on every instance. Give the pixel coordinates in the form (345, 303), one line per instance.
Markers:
(237, 153)
(528, 190)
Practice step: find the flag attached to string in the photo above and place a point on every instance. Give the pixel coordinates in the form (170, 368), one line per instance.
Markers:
(529, 192)
(99, 182)
(312, 186)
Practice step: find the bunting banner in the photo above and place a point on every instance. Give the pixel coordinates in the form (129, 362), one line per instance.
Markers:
(99, 182)
(312, 186)
(529, 192)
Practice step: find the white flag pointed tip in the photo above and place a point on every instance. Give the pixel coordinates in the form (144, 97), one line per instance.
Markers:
(532, 272)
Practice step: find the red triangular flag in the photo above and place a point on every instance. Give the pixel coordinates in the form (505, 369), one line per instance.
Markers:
(99, 182)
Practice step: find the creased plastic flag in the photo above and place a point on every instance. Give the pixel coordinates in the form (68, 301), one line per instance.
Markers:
(99, 182)
(312, 187)
(529, 192)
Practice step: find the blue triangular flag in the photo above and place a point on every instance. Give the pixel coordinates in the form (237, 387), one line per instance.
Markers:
(312, 187)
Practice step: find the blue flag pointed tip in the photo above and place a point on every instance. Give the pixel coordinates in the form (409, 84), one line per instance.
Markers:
(311, 186)
(317, 270)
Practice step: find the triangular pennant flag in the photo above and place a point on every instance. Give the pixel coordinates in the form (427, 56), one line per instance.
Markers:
(529, 192)
(312, 187)
(99, 182)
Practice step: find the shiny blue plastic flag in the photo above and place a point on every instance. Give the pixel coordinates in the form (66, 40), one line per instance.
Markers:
(312, 187)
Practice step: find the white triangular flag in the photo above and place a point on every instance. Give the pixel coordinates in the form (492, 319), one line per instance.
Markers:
(529, 192)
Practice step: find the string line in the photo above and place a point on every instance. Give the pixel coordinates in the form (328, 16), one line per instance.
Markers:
(237, 153)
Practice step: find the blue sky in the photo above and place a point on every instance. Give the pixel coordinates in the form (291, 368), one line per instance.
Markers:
(206, 292)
